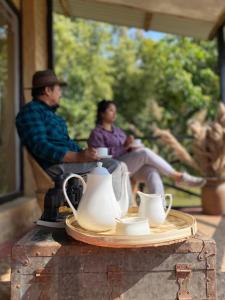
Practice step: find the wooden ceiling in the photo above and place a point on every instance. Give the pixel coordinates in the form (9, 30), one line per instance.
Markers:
(195, 18)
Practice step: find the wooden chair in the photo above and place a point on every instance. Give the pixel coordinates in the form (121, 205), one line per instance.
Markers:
(42, 180)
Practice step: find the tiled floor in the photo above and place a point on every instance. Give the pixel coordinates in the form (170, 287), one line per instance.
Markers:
(213, 226)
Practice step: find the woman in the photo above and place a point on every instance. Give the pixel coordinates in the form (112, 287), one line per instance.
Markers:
(143, 164)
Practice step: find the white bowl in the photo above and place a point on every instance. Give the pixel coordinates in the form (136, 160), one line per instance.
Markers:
(132, 226)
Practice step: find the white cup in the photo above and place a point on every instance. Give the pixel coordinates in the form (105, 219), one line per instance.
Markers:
(132, 226)
(136, 142)
(102, 151)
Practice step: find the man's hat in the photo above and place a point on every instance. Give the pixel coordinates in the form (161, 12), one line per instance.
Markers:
(45, 78)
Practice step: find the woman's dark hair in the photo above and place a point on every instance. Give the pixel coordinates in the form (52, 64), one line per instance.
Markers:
(102, 107)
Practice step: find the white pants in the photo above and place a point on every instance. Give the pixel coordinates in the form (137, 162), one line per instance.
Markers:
(147, 166)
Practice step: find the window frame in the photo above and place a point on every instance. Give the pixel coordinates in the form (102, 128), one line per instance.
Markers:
(17, 102)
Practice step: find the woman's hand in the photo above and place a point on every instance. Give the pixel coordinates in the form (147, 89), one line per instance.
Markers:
(128, 142)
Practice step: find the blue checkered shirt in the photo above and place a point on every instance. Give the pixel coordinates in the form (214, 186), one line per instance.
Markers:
(44, 133)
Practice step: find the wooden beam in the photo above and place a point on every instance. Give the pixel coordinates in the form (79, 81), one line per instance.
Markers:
(65, 7)
(204, 10)
(220, 21)
(147, 21)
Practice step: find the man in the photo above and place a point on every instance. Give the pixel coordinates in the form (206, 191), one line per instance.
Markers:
(42, 131)
(45, 134)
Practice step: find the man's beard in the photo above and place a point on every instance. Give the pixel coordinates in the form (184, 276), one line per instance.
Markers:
(55, 107)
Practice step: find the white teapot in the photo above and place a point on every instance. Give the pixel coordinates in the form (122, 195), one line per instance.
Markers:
(98, 207)
(151, 207)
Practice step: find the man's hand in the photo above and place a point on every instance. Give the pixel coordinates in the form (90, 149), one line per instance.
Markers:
(86, 155)
(89, 154)
(128, 142)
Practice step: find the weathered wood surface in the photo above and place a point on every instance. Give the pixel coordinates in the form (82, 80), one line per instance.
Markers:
(47, 264)
(177, 227)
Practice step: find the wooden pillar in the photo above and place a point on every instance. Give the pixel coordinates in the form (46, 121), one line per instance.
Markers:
(221, 60)
(34, 36)
(50, 38)
(35, 57)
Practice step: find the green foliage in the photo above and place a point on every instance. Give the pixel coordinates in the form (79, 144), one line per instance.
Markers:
(163, 83)
(130, 86)
(81, 60)
(185, 79)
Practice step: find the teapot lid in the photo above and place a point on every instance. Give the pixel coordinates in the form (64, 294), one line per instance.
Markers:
(99, 170)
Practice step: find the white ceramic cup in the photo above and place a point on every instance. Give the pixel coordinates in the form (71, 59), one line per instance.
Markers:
(136, 142)
(132, 226)
(102, 151)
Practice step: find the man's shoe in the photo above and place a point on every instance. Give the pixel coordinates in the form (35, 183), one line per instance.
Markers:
(58, 223)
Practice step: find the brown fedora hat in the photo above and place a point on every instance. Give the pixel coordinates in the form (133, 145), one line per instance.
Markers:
(45, 78)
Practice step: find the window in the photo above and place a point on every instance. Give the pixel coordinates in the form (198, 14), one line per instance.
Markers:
(9, 102)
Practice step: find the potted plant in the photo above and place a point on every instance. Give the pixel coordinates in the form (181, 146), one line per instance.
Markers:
(208, 157)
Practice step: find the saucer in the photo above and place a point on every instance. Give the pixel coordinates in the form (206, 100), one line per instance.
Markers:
(105, 156)
(137, 146)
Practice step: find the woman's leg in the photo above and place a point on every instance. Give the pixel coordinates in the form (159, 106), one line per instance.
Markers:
(150, 176)
(139, 158)
(142, 157)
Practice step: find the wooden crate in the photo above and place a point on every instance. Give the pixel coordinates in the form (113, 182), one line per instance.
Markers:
(47, 264)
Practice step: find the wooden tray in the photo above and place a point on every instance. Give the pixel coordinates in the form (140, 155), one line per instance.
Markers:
(178, 227)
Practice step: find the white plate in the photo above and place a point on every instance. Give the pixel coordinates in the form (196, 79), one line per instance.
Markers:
(105, 156)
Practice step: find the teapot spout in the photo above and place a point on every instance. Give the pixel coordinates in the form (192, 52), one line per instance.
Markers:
(124, 198)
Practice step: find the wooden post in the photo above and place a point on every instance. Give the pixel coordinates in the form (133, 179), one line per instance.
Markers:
(221, 60)
(35, 57)
(50, 39)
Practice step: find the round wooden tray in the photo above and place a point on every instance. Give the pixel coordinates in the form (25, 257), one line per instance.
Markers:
(177, 228)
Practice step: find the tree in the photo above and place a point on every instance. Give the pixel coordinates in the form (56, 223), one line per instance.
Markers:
(81, 48)
(185, 80)
(162, 83)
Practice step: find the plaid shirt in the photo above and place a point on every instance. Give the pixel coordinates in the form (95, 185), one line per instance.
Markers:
(44, 133)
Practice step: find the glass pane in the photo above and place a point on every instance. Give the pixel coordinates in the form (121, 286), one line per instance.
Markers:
(8, 144)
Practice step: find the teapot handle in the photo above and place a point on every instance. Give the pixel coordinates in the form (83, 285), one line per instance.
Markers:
(65, 194)
(170, 205)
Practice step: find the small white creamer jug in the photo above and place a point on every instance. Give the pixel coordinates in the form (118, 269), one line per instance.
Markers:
(151, 207)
